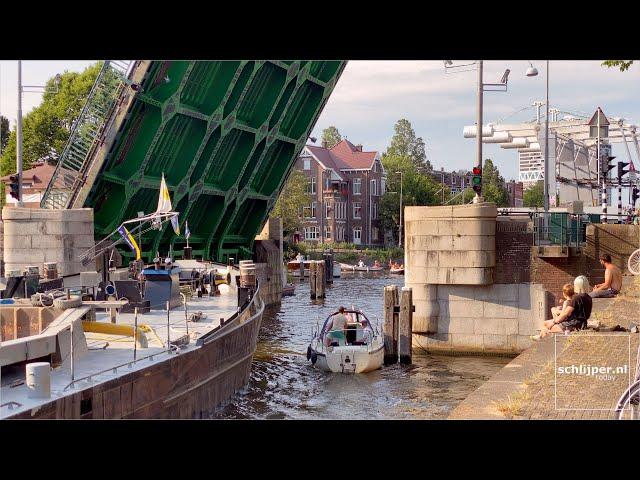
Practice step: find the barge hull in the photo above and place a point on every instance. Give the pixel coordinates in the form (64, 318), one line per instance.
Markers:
(189, 385)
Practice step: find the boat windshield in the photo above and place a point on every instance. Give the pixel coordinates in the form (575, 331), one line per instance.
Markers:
(353, 317)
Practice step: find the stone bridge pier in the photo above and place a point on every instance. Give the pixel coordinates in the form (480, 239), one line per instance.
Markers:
(450, 263)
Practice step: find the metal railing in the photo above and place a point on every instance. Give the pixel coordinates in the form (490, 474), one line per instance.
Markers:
(86, 132)
(560, 229)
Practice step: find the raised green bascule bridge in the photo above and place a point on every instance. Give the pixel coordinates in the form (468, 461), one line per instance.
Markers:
(225, 134)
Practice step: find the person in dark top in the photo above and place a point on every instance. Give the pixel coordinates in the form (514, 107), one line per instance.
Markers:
(574, 315)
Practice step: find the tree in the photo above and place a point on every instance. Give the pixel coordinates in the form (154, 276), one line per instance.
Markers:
(4, 132)
(290, 202)
(534, 196)
(404, 143)
(493, 188)
(621, 64)
(331, 136)
(418, 188)
(47, 127)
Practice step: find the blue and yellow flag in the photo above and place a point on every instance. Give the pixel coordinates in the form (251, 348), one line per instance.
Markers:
(128, 238)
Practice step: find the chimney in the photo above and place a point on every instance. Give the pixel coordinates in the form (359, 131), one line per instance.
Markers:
(359, 147)
(324, 144)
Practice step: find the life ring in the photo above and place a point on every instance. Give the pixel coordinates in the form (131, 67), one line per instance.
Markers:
(314, 357)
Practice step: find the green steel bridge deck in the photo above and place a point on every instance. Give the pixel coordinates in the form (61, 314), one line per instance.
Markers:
(224, 133)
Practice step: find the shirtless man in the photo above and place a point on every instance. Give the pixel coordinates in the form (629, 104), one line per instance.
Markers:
(612, 279)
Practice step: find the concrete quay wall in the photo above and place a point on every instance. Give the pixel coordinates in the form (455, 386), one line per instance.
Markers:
(35, 236)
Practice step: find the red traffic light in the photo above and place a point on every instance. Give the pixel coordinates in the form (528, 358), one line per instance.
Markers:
(477, 171)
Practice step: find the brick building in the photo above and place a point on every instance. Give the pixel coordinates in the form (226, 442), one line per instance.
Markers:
(344, 187)
(515, 190)
(34, 183)
(456, 181)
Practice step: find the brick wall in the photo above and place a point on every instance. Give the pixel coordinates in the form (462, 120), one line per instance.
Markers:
(619, 241)
(514, 238)
(553, 273)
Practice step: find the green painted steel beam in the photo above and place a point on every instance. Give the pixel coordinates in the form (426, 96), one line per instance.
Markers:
(225, 134)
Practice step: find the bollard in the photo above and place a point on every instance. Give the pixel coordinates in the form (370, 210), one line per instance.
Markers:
(313, 268)
(321, 280)
(390, 325)
(135, 333)
(302, 270)
(168, 331)
(328, 267)
(405, 325)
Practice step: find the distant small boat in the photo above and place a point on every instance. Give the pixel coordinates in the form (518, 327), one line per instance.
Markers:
(288, 290)
(361, 267)
(397, 271)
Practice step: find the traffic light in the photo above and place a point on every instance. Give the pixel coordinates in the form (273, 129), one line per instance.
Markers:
(476, 180)
(14, 187)
(621, 170)
(634, 196)
(609, 165)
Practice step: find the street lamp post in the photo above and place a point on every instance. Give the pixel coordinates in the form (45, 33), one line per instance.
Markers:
(400, 226)
(23, 89)
(478, 198)
(19, 135)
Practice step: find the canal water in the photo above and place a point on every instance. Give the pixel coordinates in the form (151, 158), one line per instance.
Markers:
(284, 384)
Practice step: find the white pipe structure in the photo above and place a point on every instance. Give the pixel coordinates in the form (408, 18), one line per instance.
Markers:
(19, 135)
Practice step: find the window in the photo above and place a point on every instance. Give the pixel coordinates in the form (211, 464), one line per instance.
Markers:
(357, 234)
(374, 188)
(341, 210)
(313, 209)
(313, 186)
(339, 233)
(326, 183)
(357, 210)
(327, 210)
(374, 210)
(311, 233)
(357, 185)
(327, 233)
(374, 234)
(307, 164)
(383, 186)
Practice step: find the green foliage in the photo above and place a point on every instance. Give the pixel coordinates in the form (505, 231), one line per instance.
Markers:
(623, 65)
(534, 197)
(291, 200)
(47, 127)
(464, 198)
(4, 132)
(493, 185)
(418, 188)
(331, 136)
(405, 144)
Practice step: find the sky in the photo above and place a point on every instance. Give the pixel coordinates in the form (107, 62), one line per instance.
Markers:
(372, 95)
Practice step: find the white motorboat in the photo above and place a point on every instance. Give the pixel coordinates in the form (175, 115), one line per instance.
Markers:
(360, 267)
(360, 351)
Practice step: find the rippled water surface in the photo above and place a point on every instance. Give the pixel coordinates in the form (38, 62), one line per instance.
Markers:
(284, 385)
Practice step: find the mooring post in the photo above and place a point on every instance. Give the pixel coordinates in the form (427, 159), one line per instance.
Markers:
(135, 333)
(302, 270)
(405, 325)
(168, 332)
(328, 265)
(321, 280)
(313, 268)
(390, 326)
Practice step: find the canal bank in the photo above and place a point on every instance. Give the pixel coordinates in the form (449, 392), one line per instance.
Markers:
(535, 385)
(284, 385)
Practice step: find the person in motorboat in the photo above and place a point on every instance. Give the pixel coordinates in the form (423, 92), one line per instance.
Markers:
(376, 264)
(336, 327)
(361, 264)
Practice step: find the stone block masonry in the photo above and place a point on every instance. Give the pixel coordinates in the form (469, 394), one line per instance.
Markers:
(484, 319)
(35, 236)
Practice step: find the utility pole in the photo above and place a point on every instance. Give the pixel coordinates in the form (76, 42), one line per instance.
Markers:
(546, 153)
(19, 135)
(478, 198)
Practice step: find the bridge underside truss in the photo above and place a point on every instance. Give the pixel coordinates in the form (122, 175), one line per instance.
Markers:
(225, 134)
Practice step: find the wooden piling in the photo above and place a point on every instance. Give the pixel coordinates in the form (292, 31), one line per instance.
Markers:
(390, 326)
(328, 265)
(312, 279)
(405, 325)
(302, 271)
(321, 279)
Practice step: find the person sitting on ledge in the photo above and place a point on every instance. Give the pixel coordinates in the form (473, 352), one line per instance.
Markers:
(612, 279)
(575, 312)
